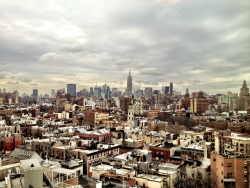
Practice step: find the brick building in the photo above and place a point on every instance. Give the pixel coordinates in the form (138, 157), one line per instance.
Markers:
(162, 152)
(8, 141)
(199, 103)
(102, 137)
(124, 103)
(229, 171)
(185, 103)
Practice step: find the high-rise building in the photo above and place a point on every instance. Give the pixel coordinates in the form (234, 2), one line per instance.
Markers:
(171, 88)
(35, 93)
(148, 91)
(96, 91)
(104, 87)
(91, 89)
(71, 89)
(156, 92)
(0, 90)
(53, 93)
(108, 93)
(4, 90)
(129, 84)
(166, 89)
(187, 90)
(99, 91)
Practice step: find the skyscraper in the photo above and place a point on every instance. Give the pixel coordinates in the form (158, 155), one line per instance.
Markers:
(129, 84)
(35, 93)
(71, 89)
(166, 89)
(187, 90)
(53, 93)
(0, 90)
(4, 90)
(91, 89)
(96, 91)
(171, 88)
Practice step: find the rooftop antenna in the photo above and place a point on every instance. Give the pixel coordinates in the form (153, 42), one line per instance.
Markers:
(129, 71)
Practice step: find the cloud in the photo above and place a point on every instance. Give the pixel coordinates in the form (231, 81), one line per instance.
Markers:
(179, 83)
(73, 48)
(198, 67)
(146, 82)
(195, 81)
(12, 82)
(122, 62)
(48, 57)
(34, 84)
(152, 72)
(161, 42)
(27, 80)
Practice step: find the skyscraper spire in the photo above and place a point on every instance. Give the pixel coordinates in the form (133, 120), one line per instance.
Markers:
(129, 71)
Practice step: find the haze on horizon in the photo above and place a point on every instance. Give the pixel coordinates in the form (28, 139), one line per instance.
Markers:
(200, 45)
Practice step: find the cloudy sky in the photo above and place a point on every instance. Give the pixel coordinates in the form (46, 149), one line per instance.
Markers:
(200, 45)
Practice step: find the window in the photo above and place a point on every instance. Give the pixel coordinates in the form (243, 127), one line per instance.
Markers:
(229, 164)
(221, 181)
(192, 175)
(222, 164)
(221, 172)
(214, 159)
(229, 175)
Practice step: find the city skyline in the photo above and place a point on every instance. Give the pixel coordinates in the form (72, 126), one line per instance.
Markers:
(200, 45)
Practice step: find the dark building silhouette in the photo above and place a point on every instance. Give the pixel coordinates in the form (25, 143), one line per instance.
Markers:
(71, 89)
(35, 93)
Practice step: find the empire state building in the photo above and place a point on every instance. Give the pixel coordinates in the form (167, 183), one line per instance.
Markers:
(129, 85)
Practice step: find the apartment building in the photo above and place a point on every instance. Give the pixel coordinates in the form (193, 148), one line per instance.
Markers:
(229, 171)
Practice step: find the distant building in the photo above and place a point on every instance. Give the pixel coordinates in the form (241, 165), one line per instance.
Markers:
(166, 89)
(187, 90)
(71, 88)
(53, 93)
(148, 91)
(35, 93)
(91, 89)
(199, 104)
(171, 88)
(129, 85)
(124, 102)
(244, 98)
(4, 90)
(156, 92)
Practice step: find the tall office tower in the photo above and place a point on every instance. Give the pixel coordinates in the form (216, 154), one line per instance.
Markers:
(4, 90)
(96, 91)
(91, 90)
(166, 89)
(35, 93)
(156, 92)
(53, 93)
(71, 89)
(99, 91)
(108, 93)
(187, 90)
(104, 87)
(129, 84)
(148, 91)
(0, 90)
(171, 88)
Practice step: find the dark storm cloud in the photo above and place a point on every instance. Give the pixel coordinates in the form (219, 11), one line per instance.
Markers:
(195, 44)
